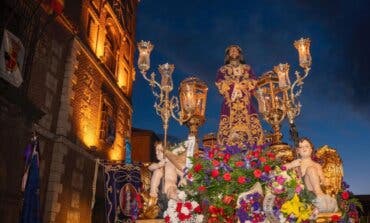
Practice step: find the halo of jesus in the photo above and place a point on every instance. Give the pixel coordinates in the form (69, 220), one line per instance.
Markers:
(243, 177)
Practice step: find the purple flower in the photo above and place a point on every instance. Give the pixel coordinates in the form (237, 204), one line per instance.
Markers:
(256, 206)
(265, 177)
(242, 215)
(232, 150)
(226, 167)
(345, 185)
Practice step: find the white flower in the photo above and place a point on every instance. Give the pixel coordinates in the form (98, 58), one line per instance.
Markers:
(172, 203)
(185, 210)
(194, 204)
(282, 218)
(199, 218)
(181, 195)
(286, 176)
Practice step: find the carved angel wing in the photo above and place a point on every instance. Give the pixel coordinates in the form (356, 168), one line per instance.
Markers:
(332, 168)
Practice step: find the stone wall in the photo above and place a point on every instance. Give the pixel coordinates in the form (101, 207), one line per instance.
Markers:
(66, 82)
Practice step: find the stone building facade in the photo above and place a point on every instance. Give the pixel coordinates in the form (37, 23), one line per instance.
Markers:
(78, 77)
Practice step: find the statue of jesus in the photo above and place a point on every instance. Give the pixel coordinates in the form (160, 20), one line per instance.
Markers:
(239, 123)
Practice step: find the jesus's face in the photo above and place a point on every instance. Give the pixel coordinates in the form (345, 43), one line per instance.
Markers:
(234, 53)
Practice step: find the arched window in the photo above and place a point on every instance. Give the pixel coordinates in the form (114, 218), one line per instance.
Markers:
(110, 49)
(108, 119)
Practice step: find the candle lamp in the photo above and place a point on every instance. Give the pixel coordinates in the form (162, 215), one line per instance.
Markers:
(278, 98)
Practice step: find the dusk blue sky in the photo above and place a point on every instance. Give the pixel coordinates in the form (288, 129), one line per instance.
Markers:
(336, 102)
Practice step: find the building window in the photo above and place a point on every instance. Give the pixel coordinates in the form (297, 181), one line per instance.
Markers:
(90, 22)
(91, 30)
(109, 54)
(111, 47)
(107, 124)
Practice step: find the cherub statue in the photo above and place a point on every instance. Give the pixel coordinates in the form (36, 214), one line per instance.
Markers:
(157, 169)
(173, 168)
(175, 164)
(313, 176)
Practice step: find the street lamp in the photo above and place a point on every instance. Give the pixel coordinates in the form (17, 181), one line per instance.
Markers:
(278, 98)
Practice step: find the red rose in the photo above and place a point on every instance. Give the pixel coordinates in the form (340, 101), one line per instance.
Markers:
(353, 214)
(227, 157)
(227, 199)
(211, 154)
(271, 155)
(253, 164)
(167, 219)
(257, 173)
(215, 163)
(221, 211)
(241, 180)
(267, 168)
(198, 167)
(227, 177)
(183, 216)
(345, 195)
(188, 205)
(213, 209)
(256, 154)
(201, 188)
(335, 218)
(230, 220)
(215, 173)
(198, 210)
(178, 207)
(190, 176)
(262, 159)
(239, 163)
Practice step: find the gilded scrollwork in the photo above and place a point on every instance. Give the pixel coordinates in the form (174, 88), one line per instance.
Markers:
(332, 168)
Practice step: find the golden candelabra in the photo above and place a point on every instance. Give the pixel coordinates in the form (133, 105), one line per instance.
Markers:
(193, 94)
(278, 98)
(164, 105)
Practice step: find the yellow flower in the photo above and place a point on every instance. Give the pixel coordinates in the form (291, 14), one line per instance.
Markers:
(294, 206)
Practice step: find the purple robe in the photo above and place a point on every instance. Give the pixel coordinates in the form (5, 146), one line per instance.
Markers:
(31, 201)
(239, 123)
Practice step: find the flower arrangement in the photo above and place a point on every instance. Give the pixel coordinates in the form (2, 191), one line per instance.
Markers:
(348, 206)
(219, 175)
(292, 201)
(183, 210)
(250, 208)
